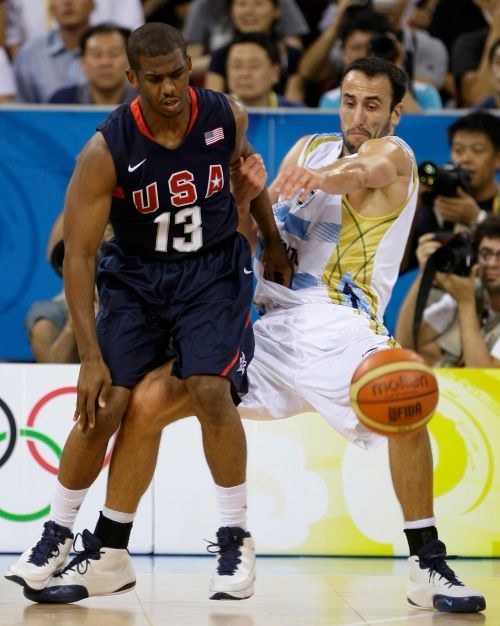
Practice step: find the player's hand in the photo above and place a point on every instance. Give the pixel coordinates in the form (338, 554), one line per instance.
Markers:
(248, 178)
(94, 384)
(277, 266)
(297, 179)
(462, 210)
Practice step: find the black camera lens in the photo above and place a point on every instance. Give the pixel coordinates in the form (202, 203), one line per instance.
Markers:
(443, 180)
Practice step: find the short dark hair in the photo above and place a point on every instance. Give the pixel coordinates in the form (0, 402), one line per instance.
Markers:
(153, 39)
(365, 21)
(376, 66)
(489, 227)
(267, 43)
(493, 49)
(103, 29)
(480, 122)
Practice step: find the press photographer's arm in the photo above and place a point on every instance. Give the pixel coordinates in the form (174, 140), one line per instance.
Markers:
(475, 352)
(461, 209)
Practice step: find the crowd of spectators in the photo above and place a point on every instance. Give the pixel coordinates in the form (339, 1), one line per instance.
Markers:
(450, 48)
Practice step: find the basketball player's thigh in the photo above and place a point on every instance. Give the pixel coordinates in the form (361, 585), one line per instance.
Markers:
(272, 375)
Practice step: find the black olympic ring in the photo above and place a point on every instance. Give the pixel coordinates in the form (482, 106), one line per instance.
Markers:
(13, 433)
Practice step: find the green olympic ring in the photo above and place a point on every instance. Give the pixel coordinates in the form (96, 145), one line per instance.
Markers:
(29, 517)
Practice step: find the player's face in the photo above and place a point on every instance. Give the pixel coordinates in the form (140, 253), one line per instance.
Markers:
(105, 60)
(475, 153)
(489, 263)
(163, 82)
(365, 109)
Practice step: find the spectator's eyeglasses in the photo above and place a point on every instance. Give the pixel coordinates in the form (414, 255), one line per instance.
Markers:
(485, 255)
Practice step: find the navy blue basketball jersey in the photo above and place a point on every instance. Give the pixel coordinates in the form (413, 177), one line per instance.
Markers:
(173, 202)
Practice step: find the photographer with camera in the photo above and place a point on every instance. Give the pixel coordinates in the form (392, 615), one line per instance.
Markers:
(461, 328)
(386, 44)
(458, 196)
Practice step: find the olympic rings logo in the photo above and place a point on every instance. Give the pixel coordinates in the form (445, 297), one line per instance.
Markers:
(34, 438)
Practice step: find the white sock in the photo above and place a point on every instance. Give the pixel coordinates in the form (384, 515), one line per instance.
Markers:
(232, 502)
(420, 523)
(118, 516)
(66, 504)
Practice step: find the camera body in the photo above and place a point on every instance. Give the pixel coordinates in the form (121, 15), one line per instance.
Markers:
(443, 180)
(456, 255)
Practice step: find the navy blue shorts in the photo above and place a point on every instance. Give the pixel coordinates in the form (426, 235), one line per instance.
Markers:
(200, 305)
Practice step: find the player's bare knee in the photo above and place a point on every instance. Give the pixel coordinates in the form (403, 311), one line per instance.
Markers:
(210, 397)
(107, 422)
(142, 415)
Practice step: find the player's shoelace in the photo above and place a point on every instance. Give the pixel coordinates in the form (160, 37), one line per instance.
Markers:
(48, 546)
(436, 563)
(228, 549)
(81, 561)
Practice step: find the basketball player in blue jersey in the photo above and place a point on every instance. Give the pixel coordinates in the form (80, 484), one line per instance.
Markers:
(345, 205)
(176, 270)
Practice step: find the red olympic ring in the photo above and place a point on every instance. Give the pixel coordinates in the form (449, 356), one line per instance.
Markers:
(31, 422)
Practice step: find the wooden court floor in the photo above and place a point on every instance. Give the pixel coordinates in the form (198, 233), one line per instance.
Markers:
(172, 591)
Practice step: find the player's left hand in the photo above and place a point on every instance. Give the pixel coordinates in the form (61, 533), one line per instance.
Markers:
(295, 179)
(277, 266)
(248, 178)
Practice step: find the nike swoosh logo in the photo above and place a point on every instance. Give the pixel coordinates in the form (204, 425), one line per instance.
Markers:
(245, 271)
(132, 168)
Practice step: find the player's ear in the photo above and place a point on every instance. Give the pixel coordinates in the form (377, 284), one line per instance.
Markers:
(132, 77)
(396, 113)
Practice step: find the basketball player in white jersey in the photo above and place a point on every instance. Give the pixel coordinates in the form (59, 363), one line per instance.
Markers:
(345, 205)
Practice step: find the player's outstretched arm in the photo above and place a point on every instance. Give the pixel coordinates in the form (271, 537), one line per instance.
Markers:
(378, 164)
(86, 214)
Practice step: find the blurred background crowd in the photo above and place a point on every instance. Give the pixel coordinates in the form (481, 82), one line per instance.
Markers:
(267, 52)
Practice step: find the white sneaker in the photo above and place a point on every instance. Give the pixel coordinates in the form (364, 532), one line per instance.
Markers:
(95, 571)
(45, 557)
(235, 575)
(433, 584)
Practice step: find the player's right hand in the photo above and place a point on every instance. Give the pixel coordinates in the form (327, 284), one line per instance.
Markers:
(93, 388)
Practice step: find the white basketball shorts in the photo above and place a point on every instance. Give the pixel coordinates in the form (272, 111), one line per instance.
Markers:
(304, 360)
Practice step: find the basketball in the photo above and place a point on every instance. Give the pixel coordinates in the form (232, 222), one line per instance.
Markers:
(393, 391)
